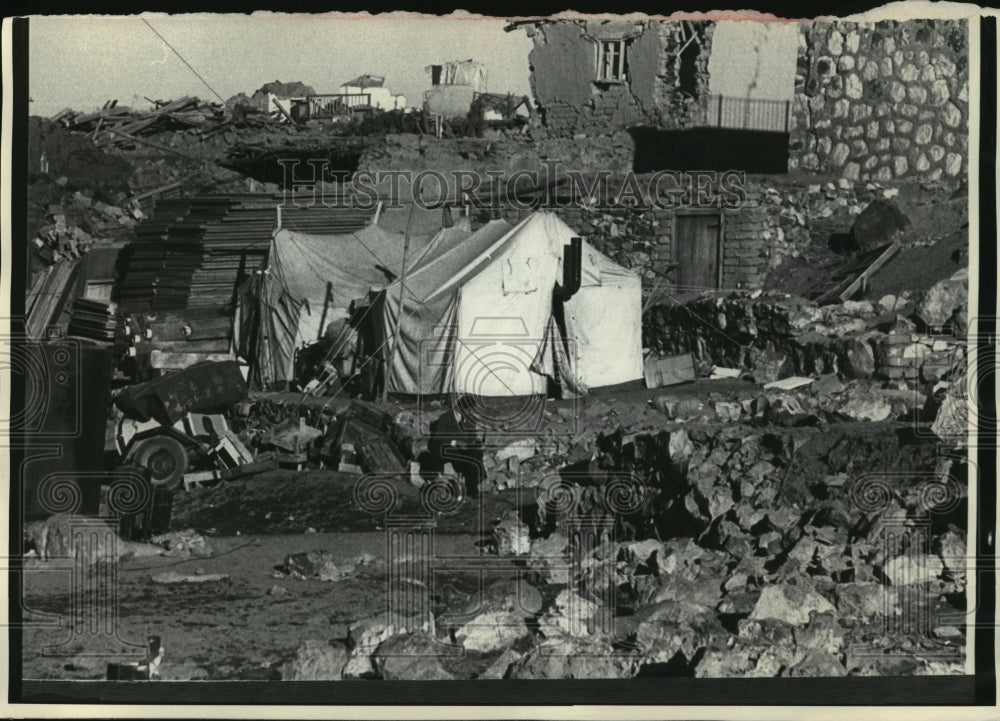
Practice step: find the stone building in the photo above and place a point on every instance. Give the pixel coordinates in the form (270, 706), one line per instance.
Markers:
(588, 76)
(882, 100)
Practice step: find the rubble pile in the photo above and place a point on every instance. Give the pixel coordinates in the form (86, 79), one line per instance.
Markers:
(895, 339)
(772, 563)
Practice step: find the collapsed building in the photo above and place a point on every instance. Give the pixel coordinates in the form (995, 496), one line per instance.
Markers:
(734, 382)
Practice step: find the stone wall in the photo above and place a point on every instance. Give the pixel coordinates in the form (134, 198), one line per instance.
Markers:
(573, 102)
(882, 100)
(642, 237)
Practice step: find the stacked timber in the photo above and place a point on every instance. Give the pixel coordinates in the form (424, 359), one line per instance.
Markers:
(194, 252)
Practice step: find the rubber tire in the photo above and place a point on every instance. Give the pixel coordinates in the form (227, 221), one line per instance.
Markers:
(166, 459)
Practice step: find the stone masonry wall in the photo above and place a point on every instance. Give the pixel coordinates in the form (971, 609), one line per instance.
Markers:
(882, 100)
(642, 237)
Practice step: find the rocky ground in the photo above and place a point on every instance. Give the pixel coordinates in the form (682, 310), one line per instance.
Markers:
(746, 544)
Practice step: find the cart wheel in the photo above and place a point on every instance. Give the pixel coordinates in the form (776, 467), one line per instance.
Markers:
(166, 459)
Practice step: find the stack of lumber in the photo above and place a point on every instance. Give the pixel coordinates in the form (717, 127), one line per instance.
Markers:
(194, 252)
(95, 320)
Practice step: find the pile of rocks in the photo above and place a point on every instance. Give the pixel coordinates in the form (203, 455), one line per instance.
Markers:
(892, 339)
(785, 552)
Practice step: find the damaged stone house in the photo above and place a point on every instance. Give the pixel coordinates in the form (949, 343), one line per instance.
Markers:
(878, 100)
(588, 76)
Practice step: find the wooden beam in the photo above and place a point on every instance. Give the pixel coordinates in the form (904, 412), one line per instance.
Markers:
(867, 273)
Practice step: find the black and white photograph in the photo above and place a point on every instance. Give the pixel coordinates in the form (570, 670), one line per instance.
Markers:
(574, 349)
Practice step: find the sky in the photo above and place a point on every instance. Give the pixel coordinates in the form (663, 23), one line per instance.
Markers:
(80, 62)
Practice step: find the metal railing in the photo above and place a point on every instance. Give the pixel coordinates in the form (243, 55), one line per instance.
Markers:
(749, 113)
(332, 105)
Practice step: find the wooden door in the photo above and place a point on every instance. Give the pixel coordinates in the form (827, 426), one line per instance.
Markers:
(697, 251)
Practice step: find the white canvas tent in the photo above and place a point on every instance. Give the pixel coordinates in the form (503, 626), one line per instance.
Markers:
(480, 316)
(308, 282)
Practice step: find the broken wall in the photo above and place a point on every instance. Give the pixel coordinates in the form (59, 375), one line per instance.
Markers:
(882, 100)
(657, 92)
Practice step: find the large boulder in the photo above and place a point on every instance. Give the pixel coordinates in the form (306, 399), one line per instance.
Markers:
(857, 359)
(413, 657)
(566, 657)
(791, 603)
(945, 299)
(676, 627)
(878, 224)
(571, 615)
(494, 630)
(909, 570)
(365, 636)
(316, 660)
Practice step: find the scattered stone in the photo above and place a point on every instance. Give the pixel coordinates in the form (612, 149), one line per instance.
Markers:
(183, 544)
(858, 359)
(771, 366)
(522, 449)
(823, 633)
(948, 633)
(277, 590)
(547, 557)
(818, 664)
(828, 385)
(313, 564)
(703, 591)
(365, 636)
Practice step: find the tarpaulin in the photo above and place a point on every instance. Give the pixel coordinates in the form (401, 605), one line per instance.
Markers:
(209, 387)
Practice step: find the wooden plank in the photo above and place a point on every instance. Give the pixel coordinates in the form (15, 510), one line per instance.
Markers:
(788, 384)
(844, 278)
(862, 279)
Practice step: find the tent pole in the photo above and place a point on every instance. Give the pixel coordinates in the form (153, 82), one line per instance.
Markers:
(399, 314)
